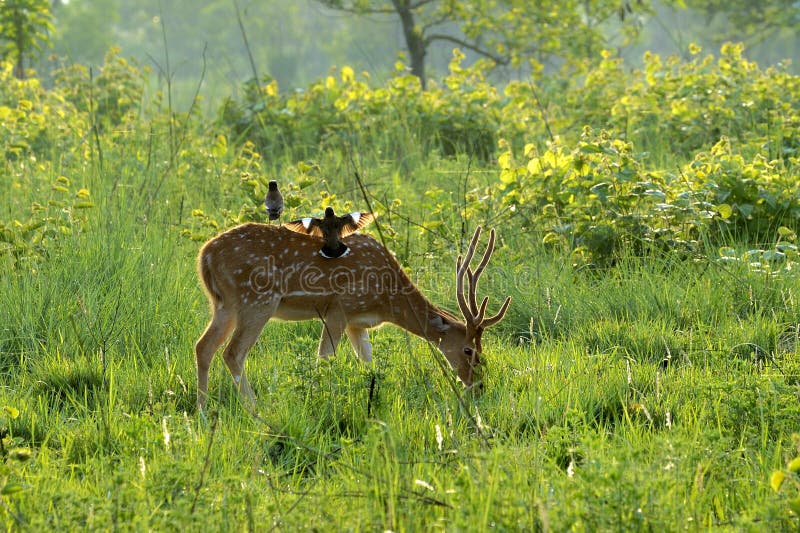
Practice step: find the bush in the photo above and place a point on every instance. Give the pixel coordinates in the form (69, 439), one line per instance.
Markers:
(600, 200)
(459, 116)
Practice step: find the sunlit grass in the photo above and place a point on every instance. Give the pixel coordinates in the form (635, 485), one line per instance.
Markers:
(657, 394)
(642, 398)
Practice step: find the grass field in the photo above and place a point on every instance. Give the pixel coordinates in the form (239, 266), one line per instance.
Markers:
(659, 394)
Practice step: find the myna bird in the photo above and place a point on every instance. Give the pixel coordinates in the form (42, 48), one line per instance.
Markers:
(332, 229)
(274, 201)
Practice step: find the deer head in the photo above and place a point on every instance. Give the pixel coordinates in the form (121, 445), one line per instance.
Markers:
(254, 272)
(475, 321)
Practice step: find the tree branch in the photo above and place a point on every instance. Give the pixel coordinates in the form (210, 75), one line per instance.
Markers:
(358, 11)
(500, 60)
(443, 17)
(421, 3)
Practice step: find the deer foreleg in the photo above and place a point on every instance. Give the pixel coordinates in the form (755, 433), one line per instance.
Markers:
(359, 338)
(333, 325)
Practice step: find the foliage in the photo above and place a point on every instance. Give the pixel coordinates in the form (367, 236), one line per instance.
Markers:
(24, 27)
(754, 198)
(687, 105)
(86, 29)
(460, 115)
(34, 120)
(681, 105)
(11, 455)
(109, 97)
(595, 197)
(510, 32)
(27, 241)
(747, 21)
(789, 477)
(49, 138)
(599, 199)
(658, 394)
(730, 121)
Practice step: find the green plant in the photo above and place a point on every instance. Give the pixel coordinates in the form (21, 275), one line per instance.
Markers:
(24, 27)
(108, 97)
(460, 115)
(787, 481)
(655, 395)
(10, 453)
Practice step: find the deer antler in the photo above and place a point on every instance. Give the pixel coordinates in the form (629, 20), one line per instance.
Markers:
(474, 315)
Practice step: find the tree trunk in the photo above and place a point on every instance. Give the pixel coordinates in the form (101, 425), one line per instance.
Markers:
(415, 41)
(19, 69)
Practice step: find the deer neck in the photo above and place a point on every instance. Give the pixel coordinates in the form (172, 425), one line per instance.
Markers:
(413, 312)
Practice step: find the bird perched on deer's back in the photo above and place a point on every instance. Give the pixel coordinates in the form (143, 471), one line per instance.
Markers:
(332, 229)
(273, 201)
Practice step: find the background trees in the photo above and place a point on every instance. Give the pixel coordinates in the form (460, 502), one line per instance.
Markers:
(507, 32)
(296, 43)
(291, 42)
(25, 26)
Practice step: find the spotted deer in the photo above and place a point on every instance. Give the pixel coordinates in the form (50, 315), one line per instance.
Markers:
(255, 272)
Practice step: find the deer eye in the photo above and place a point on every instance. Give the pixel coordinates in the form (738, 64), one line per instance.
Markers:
(468, 351)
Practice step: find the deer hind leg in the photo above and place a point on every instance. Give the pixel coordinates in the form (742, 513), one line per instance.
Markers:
(332, 328)
(248, 328)
(215, 334)
(359, 338)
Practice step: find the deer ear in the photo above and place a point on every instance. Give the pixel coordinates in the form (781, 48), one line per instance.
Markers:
(439, 324)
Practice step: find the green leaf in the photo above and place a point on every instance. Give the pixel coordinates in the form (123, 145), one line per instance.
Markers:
(11, 488)
(773, 255)
(12, 412)
(786, 233)
(745, 209)
(725, 211)
(504, 161)
(776, 480)
(655, 193)
(794, 504)
(591, 149)
(794, 465)
(551, 238)
(508, 176)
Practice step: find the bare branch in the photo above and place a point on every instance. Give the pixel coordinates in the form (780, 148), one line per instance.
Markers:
(357, 10)
(500, 60)
(421, 3)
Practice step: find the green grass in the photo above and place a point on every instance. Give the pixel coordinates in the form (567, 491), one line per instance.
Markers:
(656, 396)
(659, 394)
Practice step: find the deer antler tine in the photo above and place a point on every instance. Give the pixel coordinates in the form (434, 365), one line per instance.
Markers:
(474, 314)
(473, 243)
(462, 302)
(486, 255)
(499, 316)
(481, 312)
(474, 276)
(473, 303)
(462, 267)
